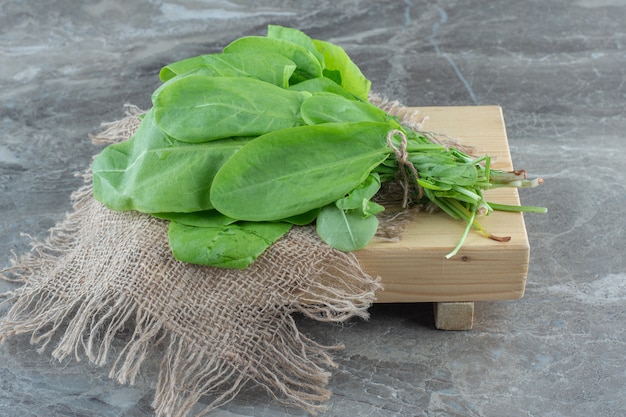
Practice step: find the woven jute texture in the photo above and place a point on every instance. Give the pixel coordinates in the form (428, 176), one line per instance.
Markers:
(105, 278)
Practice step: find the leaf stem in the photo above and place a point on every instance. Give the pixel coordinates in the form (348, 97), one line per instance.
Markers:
(463, 237)
(526, 209)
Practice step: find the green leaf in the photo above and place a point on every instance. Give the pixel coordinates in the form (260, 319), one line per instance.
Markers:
(334, 75)
(364, 191)
(205, 218)
(153, 173)
(230, 246)
(336, 59)
(198, 109)
(329, 107)
(370, 208)
(182, 67)
(443, 168)
(292, 171)
(307, 64)
(318, 85)
(266, 66)
(304, 218)
(295, 36)
(346, 230)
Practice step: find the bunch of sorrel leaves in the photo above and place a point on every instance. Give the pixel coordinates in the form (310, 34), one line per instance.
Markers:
(277, 131)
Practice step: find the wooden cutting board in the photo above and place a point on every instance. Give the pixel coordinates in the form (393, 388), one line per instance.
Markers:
(414, 268)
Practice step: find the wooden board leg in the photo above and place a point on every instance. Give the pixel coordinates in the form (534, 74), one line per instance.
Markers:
(454, 315)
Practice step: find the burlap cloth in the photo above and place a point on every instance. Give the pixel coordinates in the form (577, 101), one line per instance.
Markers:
(104, 276)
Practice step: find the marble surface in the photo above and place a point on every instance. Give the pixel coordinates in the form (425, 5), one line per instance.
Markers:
(558, 69)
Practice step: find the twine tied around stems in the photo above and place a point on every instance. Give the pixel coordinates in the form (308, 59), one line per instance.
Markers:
(402, 156)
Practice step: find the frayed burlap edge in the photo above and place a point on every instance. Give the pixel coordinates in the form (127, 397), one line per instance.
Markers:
(87, 324)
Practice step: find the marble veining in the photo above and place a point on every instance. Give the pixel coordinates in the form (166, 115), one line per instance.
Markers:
(556, 67)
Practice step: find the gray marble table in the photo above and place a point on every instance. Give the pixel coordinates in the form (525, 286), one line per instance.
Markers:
(557, 68)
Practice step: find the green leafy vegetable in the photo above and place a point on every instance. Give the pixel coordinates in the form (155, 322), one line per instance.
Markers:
(295, 37)
(350, 223)
(359, 198)
(270, 67)
(278, 131)
(153, 173)
(346, 230)
(345, 72)
(327, 108)
(207, 218)
(198, 108)
(304, 218)
(323, 84)
(308, 65)
(234, 245)
(292, 171)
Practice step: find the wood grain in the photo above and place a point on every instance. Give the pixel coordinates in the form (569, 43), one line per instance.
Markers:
(414, 269)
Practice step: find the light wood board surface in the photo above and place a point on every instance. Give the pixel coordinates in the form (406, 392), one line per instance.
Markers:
(414, 269)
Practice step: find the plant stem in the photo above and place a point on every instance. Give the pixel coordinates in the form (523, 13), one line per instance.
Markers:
(526, 209)
(463, 237)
